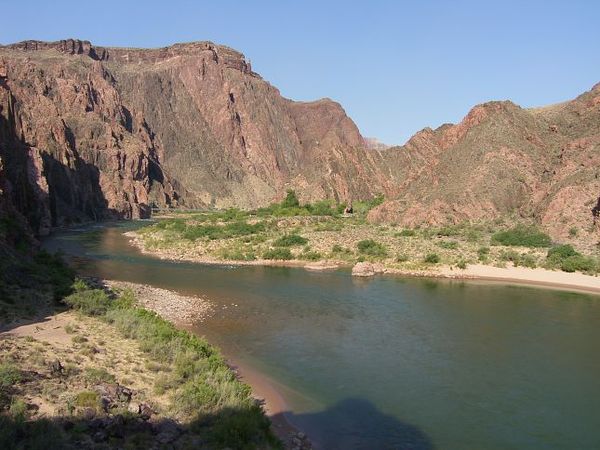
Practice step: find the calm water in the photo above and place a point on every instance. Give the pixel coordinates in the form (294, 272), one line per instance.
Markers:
(393, 362)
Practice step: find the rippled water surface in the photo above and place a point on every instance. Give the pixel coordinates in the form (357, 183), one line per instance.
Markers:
(392, 362)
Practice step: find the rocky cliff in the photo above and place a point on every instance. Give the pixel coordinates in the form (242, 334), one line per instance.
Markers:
(541, 164)
(88, 132)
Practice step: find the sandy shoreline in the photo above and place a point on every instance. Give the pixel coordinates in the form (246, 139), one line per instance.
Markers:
(539, 277)
(185, 311)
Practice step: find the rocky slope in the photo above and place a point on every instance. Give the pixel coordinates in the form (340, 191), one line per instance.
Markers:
(89, 132)
(541, 164)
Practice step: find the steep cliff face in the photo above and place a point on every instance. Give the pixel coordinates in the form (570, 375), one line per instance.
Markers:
(108, 132)
(72, 151)
(540, 164)
(88, 133)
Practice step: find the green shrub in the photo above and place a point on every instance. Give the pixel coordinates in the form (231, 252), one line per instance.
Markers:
(364, 206)
(290, 240)
(482, 253)
(94, 376)
(9, 376)
(310, 256)
(461, 264)
(573, 232)
(407, 232)
(229, 230)
(18, 409)
(290, 200)
(321, 208)
(448, 231)
(432, 258)
(92, 302)
(528, 261)
(448, 245)
(371, 248)
(523, 236)
(401, 258)
(87, 399)
(237, 254)
(579, 263)
(561, 252)
(568, 259)
(278, 253)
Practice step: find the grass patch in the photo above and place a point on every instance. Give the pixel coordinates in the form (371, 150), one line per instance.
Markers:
(92, 302)
(432, 258)
(448, 245)
(282, 253)
(87, 399)
(95, 376)
(290, 240)
(523, 236)
(371, 248)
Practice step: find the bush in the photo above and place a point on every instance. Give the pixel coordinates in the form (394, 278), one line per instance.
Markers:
(447, 231)
(568, 259)
(282, 253)
(461, 264)
(237, 254)
(407, 232)
(432, 258)
(87, 399)
(92, 302)
(573, 232)
(9, 375)
(401, 258)
(364, 206)
(482, 253)
(321, 208)
(18, 409)
(523, 236)
(528, 261)
(561, 252)
(95, 376)
(229, 230)
(448, 245)
(310, 256)
(290, 200)
(579, 263)
(290, 240)
(371, 248)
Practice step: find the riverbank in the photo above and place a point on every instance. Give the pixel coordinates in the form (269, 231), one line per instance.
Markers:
(539, 277)
(184, 311)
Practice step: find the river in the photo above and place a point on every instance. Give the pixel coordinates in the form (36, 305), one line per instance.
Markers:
(390, 362)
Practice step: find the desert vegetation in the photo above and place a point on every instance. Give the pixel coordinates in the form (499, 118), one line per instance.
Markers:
(291, 231)
(105, 372)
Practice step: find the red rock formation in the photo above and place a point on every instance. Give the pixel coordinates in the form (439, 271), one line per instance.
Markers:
(540, 164)
(106, 132)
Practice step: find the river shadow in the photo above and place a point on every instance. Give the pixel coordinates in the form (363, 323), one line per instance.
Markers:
(355, 423)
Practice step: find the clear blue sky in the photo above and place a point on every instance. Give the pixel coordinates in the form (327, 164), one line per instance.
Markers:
(395, 66)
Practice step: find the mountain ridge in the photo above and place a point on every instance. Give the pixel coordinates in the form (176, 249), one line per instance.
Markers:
(109, 132)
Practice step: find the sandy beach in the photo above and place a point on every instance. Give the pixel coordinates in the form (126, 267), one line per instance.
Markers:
(522, 275)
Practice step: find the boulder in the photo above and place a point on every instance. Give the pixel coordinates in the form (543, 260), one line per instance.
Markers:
(363, 269)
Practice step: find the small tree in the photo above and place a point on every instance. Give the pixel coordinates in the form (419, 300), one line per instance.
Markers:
(291, 200)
